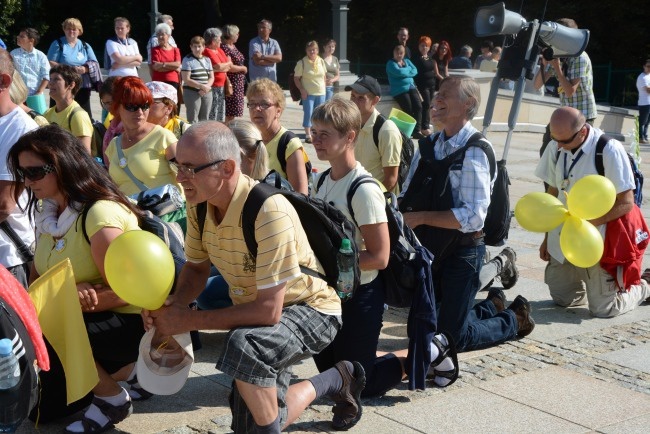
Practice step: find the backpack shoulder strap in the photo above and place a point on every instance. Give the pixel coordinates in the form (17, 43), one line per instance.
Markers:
(256, 197)
(72, 113)
(477, 140)
(126, 169)
(600, 148)
(426, 145)
(285, 138)
(379, 122)
(363, 179)
(60, 55)
(201, 213)
(321, 180)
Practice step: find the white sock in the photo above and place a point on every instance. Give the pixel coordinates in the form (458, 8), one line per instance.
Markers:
(93, 412)
(446, 365)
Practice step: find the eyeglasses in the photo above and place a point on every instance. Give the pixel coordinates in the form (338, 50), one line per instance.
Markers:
(260, 105)
(35, 173)
(189, 172)
(566, 142)
(135, 107)
(106, 104)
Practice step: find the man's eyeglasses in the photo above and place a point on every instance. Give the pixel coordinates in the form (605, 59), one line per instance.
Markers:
(260, 105)
(35, 173)
(106, 104)
(189, 172)
(135, 107)
(566, 142)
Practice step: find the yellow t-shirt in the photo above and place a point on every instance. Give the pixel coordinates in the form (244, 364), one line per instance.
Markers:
(282, 248)
(312, 75)
(389, 152)
(74, 245)
(272, 148)
(147, 162)
(80, 124)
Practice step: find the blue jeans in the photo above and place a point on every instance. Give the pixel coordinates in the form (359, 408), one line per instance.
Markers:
(329, 93)
(358, 339)
(308, 108)
(644, 120)
(215, 295)
(457, 282)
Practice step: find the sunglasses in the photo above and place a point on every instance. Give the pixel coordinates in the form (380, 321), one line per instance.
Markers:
(566, 142)
(135, 107)
(35, 173)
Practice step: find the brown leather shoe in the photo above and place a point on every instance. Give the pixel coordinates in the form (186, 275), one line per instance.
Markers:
(521, 307)
(498, 298)
(347, 410)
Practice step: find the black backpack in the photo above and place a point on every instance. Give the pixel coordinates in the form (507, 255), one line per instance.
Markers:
(24, 395)
(407, 150)
(172, 236)
(400, 276)
(497, 222)
(285, 138)
(325, 226)
(638, 175)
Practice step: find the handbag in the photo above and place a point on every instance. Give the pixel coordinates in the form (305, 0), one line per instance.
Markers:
(159, 200)
(227, 87)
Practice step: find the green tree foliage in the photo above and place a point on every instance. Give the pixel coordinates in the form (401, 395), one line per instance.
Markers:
(9, 9)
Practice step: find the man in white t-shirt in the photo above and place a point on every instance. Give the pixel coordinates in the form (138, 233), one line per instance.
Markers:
(643, 86)
(14, 122)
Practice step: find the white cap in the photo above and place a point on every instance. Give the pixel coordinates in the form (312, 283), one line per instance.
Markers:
(163, 370)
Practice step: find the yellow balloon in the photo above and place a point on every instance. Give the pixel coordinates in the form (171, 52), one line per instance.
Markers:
(540, 212)
(591, 197)
(581, 242)
(140, 269)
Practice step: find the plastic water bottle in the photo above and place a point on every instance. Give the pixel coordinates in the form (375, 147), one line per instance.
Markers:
(9, 377)
(345, 259)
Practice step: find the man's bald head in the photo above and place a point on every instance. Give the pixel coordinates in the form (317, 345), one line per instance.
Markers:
(567, 117)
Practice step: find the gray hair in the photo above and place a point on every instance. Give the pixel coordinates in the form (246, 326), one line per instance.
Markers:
(211, 34)
(163, 18)
(265, 22)
(468, 89)
(163, 28)
(466, 49)
(220, 143)
(230, 30)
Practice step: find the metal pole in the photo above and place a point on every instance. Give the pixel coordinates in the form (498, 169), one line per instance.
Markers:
(340, 32)
(153, 15)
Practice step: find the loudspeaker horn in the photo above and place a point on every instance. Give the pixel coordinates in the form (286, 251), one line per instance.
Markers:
(565, 41)
(497, 20)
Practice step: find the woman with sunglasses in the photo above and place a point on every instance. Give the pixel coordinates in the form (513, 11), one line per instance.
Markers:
(63, 182)
(144, 149)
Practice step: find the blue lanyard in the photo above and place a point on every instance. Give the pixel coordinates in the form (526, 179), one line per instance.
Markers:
(573, 163)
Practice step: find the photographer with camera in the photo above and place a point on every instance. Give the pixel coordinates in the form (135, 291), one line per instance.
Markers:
(575, 76)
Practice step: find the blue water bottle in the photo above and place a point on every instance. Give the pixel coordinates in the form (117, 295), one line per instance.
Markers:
(9, 378)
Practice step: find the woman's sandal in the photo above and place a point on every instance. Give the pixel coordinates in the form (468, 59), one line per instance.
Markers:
(114, 413)
(134, 386)
(445, 351)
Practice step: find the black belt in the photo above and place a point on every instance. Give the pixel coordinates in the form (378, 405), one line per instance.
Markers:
(471, 239)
